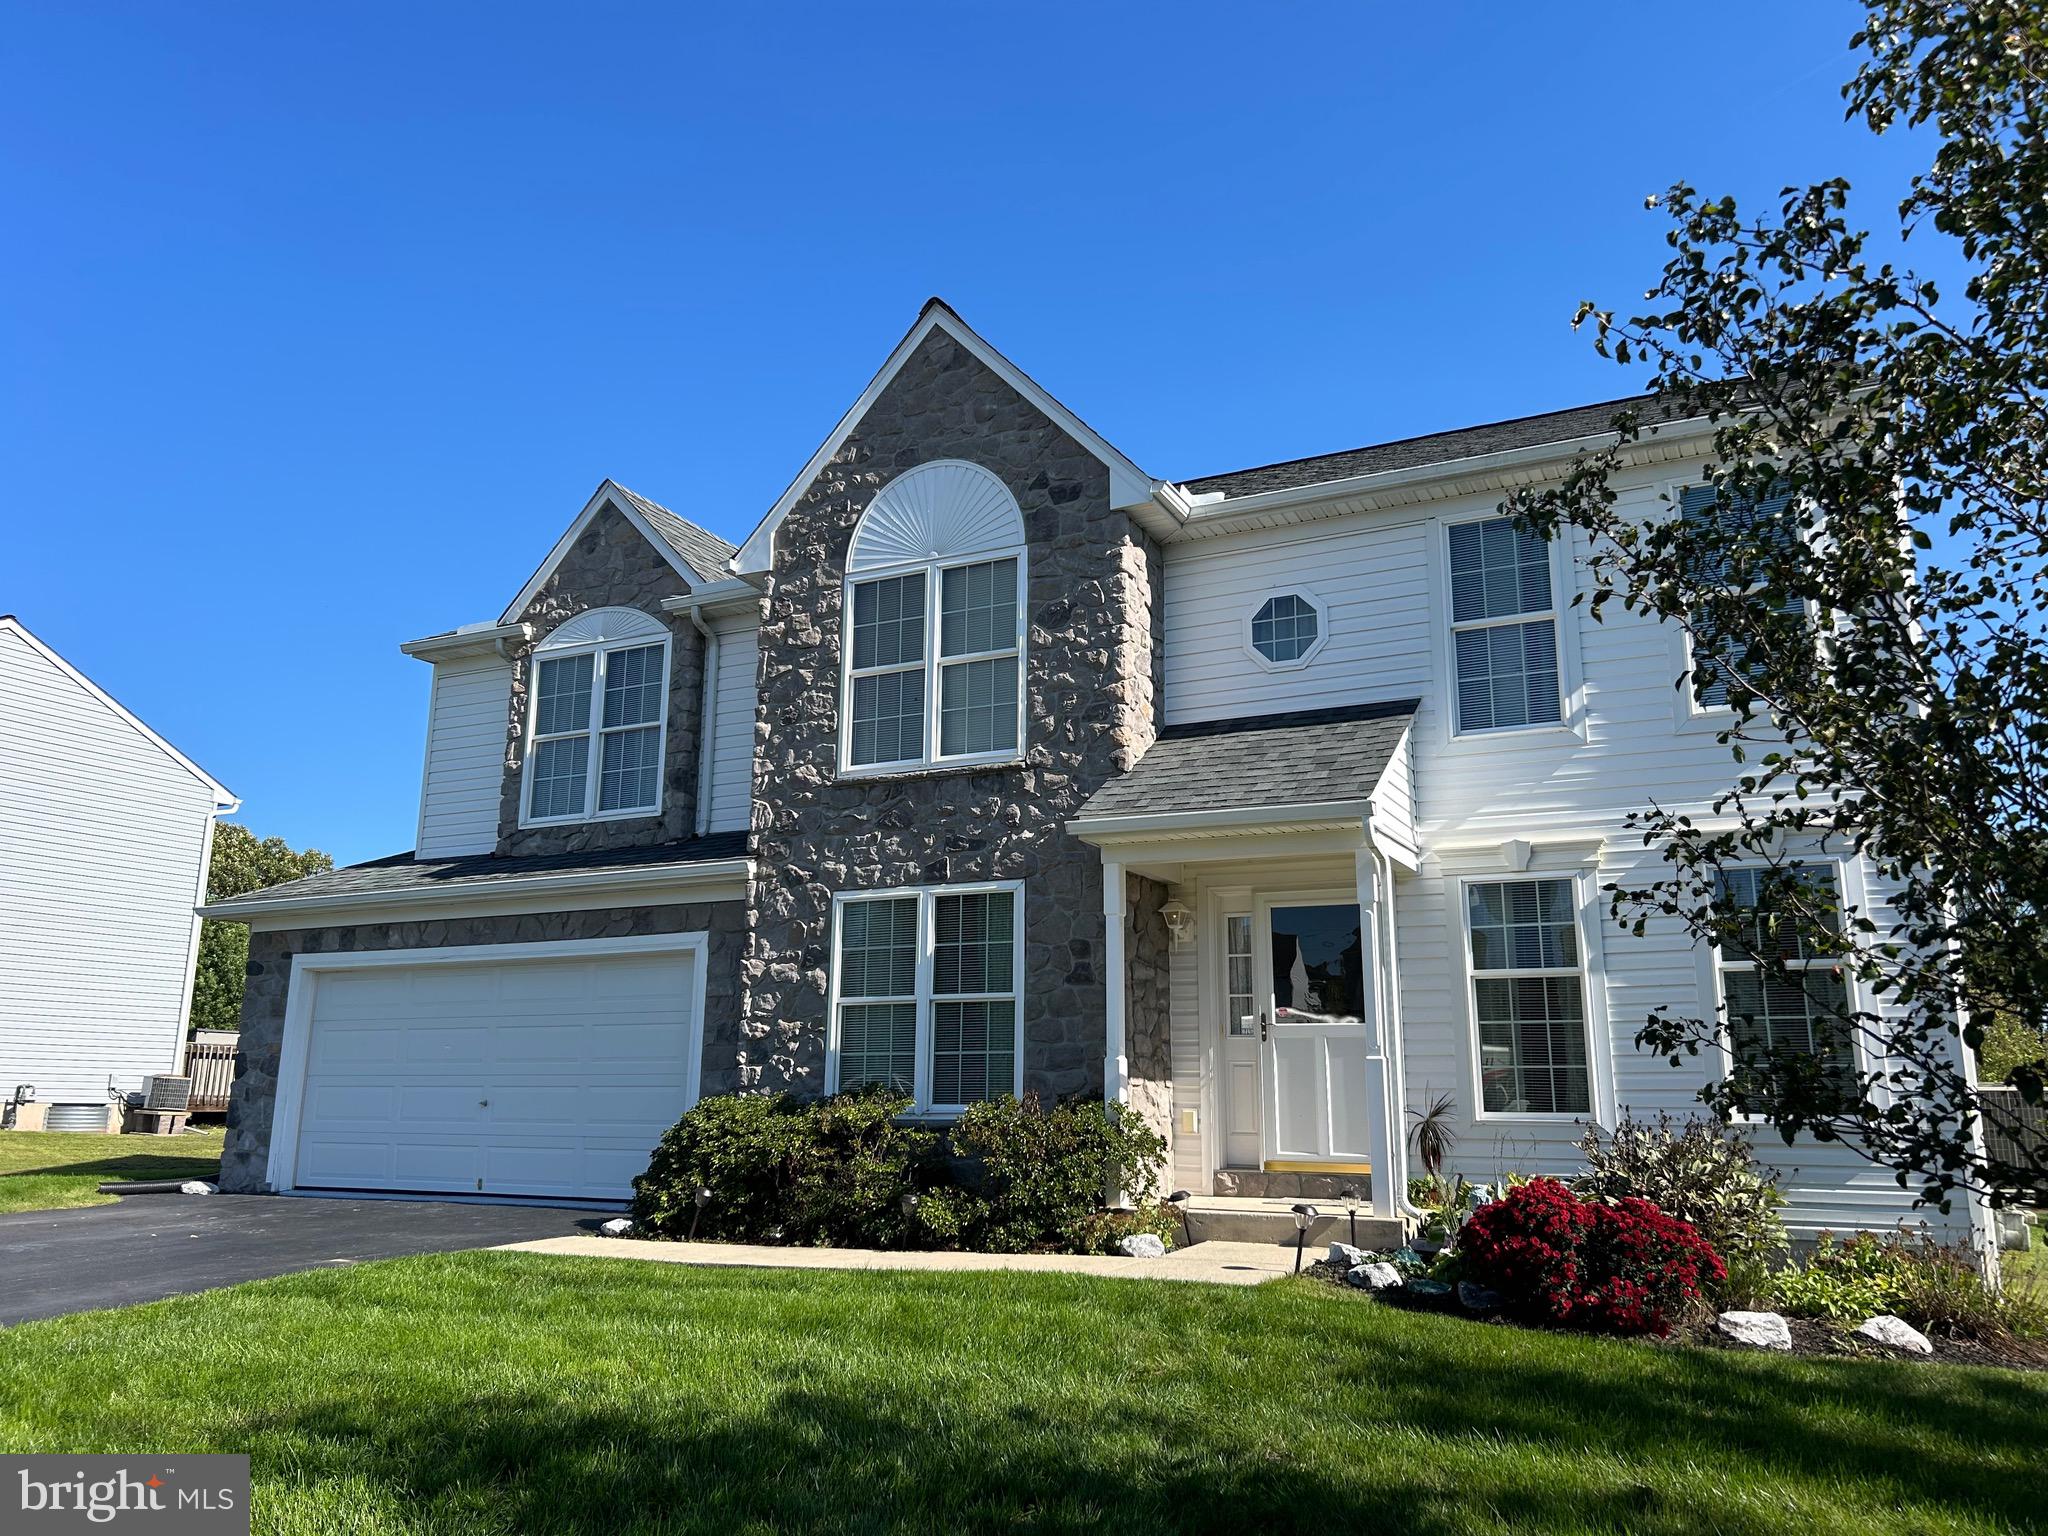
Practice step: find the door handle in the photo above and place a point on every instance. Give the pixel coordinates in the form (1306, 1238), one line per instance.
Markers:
(483, 1103)
(1265, 1024)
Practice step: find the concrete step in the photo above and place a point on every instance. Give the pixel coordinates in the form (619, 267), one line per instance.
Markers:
(1260, 1184)
(1224, 1219)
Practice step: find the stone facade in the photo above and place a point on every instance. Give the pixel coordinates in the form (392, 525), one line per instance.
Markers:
(270, 970)
(1092, 688)
(1148, 1003)
(611, 565)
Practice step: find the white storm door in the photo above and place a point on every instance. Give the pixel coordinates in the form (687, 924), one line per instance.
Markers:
(1312, 983)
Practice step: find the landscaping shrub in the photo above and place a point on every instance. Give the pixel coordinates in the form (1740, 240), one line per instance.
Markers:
(1692, 1171)
(1011, 1175)
(1624, 1267)
(1937, 1289)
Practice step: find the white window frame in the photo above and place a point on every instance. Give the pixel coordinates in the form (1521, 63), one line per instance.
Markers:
(1566, 723)
(1302, 594)
(927, 928)
(933, 664)
(1849, 892)
(1600, 1101)
(594, 731)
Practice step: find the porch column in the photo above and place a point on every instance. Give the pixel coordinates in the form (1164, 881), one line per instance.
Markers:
(1116, 1063)
(1382, 1130)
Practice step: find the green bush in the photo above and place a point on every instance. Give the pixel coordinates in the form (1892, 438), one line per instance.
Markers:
(1935, 1288)
(1011, 1176)
(1691, 1171)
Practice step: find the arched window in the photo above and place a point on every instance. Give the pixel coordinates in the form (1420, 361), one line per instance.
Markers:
(934, 624)
(597, 721)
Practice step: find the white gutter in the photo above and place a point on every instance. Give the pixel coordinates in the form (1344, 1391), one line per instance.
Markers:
(471, 641)
(1397, 1084)
(668, 879)
(1089, 828)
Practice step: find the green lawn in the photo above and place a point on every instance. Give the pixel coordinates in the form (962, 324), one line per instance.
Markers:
(2030, 1268)
(491, 1392)
(54, 1170)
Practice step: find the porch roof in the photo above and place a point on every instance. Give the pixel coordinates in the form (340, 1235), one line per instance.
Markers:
(1310, 759)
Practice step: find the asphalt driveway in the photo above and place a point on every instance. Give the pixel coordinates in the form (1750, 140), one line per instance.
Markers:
(148, 1247)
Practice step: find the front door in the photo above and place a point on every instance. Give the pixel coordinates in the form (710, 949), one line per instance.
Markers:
(1311, 980)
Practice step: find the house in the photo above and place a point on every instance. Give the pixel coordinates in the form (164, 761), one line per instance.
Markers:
(105, 834)
(1271, 805)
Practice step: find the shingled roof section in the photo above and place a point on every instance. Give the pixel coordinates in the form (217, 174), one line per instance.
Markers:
(404, 874)
(1308, 757)
(1435, 448)
(707, 555)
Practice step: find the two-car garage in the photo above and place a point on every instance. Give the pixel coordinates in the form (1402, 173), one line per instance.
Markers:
(546, 1069)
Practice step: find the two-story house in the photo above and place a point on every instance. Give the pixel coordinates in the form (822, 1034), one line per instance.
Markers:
(1272, 805)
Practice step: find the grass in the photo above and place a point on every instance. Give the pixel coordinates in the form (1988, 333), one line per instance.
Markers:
(493, 1392)
(2029, 1270)
(56, 1170)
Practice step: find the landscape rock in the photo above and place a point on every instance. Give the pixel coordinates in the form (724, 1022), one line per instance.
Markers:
(1895, 1332)
(197, 1187)
(618, 1226)
(1761, 1330)
(1141, 1245)
(1374, 1277)
(1344, 1256)
(1477, 1298)
(1431, 1290)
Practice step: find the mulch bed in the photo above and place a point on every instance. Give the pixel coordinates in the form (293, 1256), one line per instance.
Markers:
(1809, 1336)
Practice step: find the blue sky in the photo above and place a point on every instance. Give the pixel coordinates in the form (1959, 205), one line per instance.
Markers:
(320, 323)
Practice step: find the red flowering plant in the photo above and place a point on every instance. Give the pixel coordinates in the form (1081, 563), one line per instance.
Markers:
(1619, 1268)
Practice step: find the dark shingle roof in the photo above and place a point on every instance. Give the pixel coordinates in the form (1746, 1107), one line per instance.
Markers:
(1435, 448)
(403, 874)
(1305, 758)
(703, 551)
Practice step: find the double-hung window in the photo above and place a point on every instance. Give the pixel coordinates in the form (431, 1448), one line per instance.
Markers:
(935, 681)
(1528, 997)
(1798, 1007)
(1503, 627)
(1767, 519)
(596, 743)
(927, 993)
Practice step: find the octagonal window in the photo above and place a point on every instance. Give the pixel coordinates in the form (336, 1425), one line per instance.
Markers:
(1287, 629)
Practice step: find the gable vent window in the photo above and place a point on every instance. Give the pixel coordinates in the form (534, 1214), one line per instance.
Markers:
(1286, 630)
(934, 659)
(1503, 627)
(598, 724)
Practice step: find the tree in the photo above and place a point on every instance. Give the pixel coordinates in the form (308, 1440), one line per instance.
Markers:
(240, 864)
(1862, 571)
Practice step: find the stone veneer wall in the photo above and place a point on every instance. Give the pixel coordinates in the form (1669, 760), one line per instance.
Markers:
(1092, 699)
(611, 565)
(1147, 1006)
(270, 968)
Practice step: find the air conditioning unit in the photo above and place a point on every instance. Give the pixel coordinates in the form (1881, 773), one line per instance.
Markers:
(166, 1093)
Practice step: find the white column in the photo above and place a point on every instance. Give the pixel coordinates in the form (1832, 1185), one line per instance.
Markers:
(1116, 1065)
(1382, 1131)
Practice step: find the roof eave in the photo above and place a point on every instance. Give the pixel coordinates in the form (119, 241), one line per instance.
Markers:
(1095, 829)
(667, 878)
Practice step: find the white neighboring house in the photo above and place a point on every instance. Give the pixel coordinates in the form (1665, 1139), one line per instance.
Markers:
(106, 830)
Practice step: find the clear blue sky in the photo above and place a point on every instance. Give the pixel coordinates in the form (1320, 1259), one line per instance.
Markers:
(319, 323)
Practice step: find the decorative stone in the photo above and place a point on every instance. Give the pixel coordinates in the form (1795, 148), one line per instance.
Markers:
(1895, 1333)
(1141, 1245)
(618, 1226)
(1477, 1298)
(1374, 1277)
(1344, 1256)
(1759, 1330)
(197, 1187)
(1429, 1290)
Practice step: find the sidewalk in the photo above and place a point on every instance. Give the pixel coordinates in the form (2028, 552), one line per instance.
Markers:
(1205, 1263)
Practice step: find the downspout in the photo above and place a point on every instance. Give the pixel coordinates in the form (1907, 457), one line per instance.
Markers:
(1397, 1086)
(705, 723)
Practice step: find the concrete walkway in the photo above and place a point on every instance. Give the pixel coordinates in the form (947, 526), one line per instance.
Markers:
(1207, 1263)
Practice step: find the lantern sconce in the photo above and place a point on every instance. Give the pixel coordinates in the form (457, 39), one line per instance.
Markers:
(1180, 921)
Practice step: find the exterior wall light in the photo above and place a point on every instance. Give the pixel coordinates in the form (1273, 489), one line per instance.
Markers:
(1180, 921)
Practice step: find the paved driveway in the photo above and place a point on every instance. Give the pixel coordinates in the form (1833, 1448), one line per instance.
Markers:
(148, 1247)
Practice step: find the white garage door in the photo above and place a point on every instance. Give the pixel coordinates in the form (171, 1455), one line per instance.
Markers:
(525, 1077)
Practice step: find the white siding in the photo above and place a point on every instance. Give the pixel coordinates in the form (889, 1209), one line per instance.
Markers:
(1188, 1054)
(103, 845)
(465, 768)
(732, 739)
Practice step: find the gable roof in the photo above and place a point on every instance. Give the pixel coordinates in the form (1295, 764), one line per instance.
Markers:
(699, 556)
(1129, 486)
(1579, 421)
(1308, 757)
(225, 798)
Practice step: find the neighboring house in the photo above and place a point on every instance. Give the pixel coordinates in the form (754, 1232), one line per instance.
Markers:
(105, 833)
(1269, 804)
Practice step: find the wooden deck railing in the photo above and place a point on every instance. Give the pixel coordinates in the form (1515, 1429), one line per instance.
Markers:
(211, 1066)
